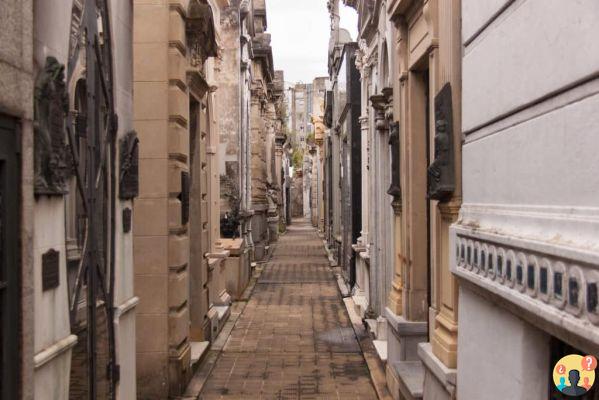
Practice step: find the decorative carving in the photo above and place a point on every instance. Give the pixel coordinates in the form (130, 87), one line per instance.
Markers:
(328, 112)
(382, 104)
(50, 270)
(394, 142)
(129, 173)
(319, 125)
(441, 173)
(184, 197)
(127, 214)
(53, 164)
(201, 38)
(537, 275)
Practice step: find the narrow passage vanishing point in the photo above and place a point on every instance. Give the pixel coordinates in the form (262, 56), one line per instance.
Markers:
(294, 340)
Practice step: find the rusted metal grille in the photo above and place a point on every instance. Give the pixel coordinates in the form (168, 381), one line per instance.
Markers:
(92, 142)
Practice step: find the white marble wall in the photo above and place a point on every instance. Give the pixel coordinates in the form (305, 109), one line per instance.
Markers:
(125, 301)
(52, 332)
(530, 95)
(514, 363)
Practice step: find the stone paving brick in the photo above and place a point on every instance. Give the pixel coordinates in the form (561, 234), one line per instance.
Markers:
(294, 339)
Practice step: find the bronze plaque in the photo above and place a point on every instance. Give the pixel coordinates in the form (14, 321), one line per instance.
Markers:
(129, 171)
(50, 270)
(127, 220)
(184, 197)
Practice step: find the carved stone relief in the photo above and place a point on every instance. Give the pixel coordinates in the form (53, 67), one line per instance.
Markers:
(394, 142)
(53, 164)
(441, 173)
(201, 39)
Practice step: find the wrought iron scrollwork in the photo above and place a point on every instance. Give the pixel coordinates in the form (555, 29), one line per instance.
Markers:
(93, 149)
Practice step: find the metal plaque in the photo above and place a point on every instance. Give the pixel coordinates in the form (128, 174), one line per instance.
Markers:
(50, 270)
(127, 214)
(441, 172)
(129, 171)
(184, 197)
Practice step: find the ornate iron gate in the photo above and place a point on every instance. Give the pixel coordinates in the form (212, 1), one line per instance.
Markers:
(92, 130)
(10, 270)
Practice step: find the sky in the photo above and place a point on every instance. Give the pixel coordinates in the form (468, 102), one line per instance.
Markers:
(300, 32)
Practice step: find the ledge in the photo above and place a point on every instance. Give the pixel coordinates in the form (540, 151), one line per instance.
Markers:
(542, 282)
(410, 376)
(403, 327)
(57, 349)
(125, 307)
(447, 376)
(234, 246)
(359, 248)
(218, 254)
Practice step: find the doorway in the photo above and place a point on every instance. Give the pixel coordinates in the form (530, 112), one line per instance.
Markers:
(10, 282)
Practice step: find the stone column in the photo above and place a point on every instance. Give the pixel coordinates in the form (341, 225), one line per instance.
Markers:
(364, 234)
(272, 186)
(447, 56)
(396, 294)
(259, 170)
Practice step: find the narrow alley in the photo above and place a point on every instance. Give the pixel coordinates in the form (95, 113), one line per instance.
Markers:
(294, 339)
(299, 199)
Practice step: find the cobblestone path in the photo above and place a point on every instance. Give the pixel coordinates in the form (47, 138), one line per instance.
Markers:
(294, 340)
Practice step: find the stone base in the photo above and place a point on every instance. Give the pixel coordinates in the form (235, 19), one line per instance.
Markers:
(237, 269)
(179, 371)
(405, 372)
(360, 304)
(212, 328)
(273, 228)
(439, 381)
(260, 231)
(405, 380)
(224, 300)
(53, 370)
(403, 337)
(198, 351)
(501, 356)
(260, 251)
(381, 349)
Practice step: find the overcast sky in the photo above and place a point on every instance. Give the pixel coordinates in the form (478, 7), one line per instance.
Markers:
(300, 36)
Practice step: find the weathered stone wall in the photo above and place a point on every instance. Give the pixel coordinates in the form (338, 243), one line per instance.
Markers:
(16, 94)
(229, 105)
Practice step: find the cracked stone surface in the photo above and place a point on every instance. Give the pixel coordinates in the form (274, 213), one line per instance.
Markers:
(294, 340)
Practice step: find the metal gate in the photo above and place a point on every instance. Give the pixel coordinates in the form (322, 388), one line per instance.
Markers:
(92, 133)
(10, 271)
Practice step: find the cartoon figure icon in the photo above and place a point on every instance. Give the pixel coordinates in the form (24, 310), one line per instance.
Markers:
(574, 375)
(574, 389)
(562, 383)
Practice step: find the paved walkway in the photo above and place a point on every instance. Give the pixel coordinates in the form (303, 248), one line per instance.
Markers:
(294, 339)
